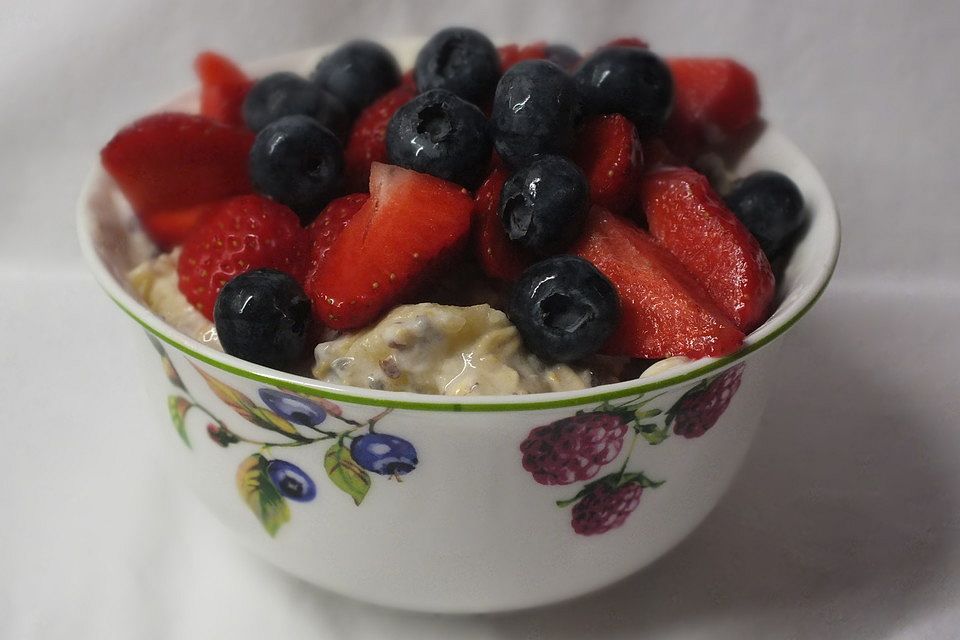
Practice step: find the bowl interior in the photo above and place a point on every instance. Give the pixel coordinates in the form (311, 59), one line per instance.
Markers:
(113, 243)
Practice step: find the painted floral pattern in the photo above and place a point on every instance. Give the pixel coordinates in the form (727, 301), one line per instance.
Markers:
(265, 481)
(576, 449)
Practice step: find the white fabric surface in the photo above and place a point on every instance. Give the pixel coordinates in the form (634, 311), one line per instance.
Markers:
(845, 522)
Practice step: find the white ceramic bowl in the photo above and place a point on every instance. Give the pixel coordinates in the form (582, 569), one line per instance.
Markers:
(468, 529)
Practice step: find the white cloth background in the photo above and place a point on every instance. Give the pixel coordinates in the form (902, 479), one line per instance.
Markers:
(845, 522)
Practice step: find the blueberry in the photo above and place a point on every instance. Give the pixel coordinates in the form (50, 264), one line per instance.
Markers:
(292, 407)
(297, 162)
(564, 56)
(535, 109)
(770, 205)
(543, 205)
(564, 308)
(384, 454)
(357, 73)
(440, 134)
(263, 316)
(287, 94)
(627, 80)
(460, 60)
(291, 481)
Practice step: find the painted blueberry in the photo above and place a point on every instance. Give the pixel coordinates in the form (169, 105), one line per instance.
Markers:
(291, 481)
(384, 454)
(292, 407)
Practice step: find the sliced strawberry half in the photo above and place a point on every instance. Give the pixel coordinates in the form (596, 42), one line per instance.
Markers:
(714, 99)
(499, 258)
(689, 219)
(368, 138)
(511, 54)
(608, 151)
(167, 229)
(664, 311)
(410, 224)
(223, 86)
(170, 161)
(328, 225)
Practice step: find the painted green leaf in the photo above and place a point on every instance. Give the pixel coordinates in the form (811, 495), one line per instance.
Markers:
(345, 473)
(639, 478)
(267, 419)
(178, 406)
(172, 374)
(649, 413)
(243, 405)
(260, 494)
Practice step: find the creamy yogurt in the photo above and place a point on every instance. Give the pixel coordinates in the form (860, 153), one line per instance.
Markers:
(155, 281)
(442, 349)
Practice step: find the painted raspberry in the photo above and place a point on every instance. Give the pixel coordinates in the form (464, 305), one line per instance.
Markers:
(700, 408)
(605, 507)
(575, 448)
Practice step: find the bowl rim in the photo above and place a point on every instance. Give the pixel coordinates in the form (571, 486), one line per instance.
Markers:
(759, 338)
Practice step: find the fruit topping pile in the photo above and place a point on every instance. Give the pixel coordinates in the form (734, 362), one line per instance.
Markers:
(304, 206)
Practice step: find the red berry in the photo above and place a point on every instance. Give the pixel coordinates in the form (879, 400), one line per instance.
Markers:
(511, 54)
(664, 311)
(691, 221)
(628, 42)
(409, 226)
(328, 225)
(499, 258)
(608, 151)
(714, 99)
(167, 229)
(368, 138)
(223, 86)
(605, 507)
(244, 233)
(573, 449)
(170, 161)
(700, 408)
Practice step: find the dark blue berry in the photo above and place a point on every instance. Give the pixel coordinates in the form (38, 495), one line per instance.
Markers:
(564, 308)
(440, 134)
(291, 481)
(770, 205)
(297, 162)
(293, 407)
(263, 316)
(384, 454)
(459, 60)
(287, 94)
(627, 80)
(535, 110)
(357, 73)
(564, 56)
(543, 205)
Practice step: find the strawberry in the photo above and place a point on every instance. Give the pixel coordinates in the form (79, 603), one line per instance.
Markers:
(689, 219)
(511, 54)
(328, 225)
(608, 151)
(656, 154)
(171, 161)
(499, 258)
(411, 222)
(367, 142)
(167, 229)
(628, 42)
(714, 99)
(223, 86)
(243, 233)
(664, 311)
